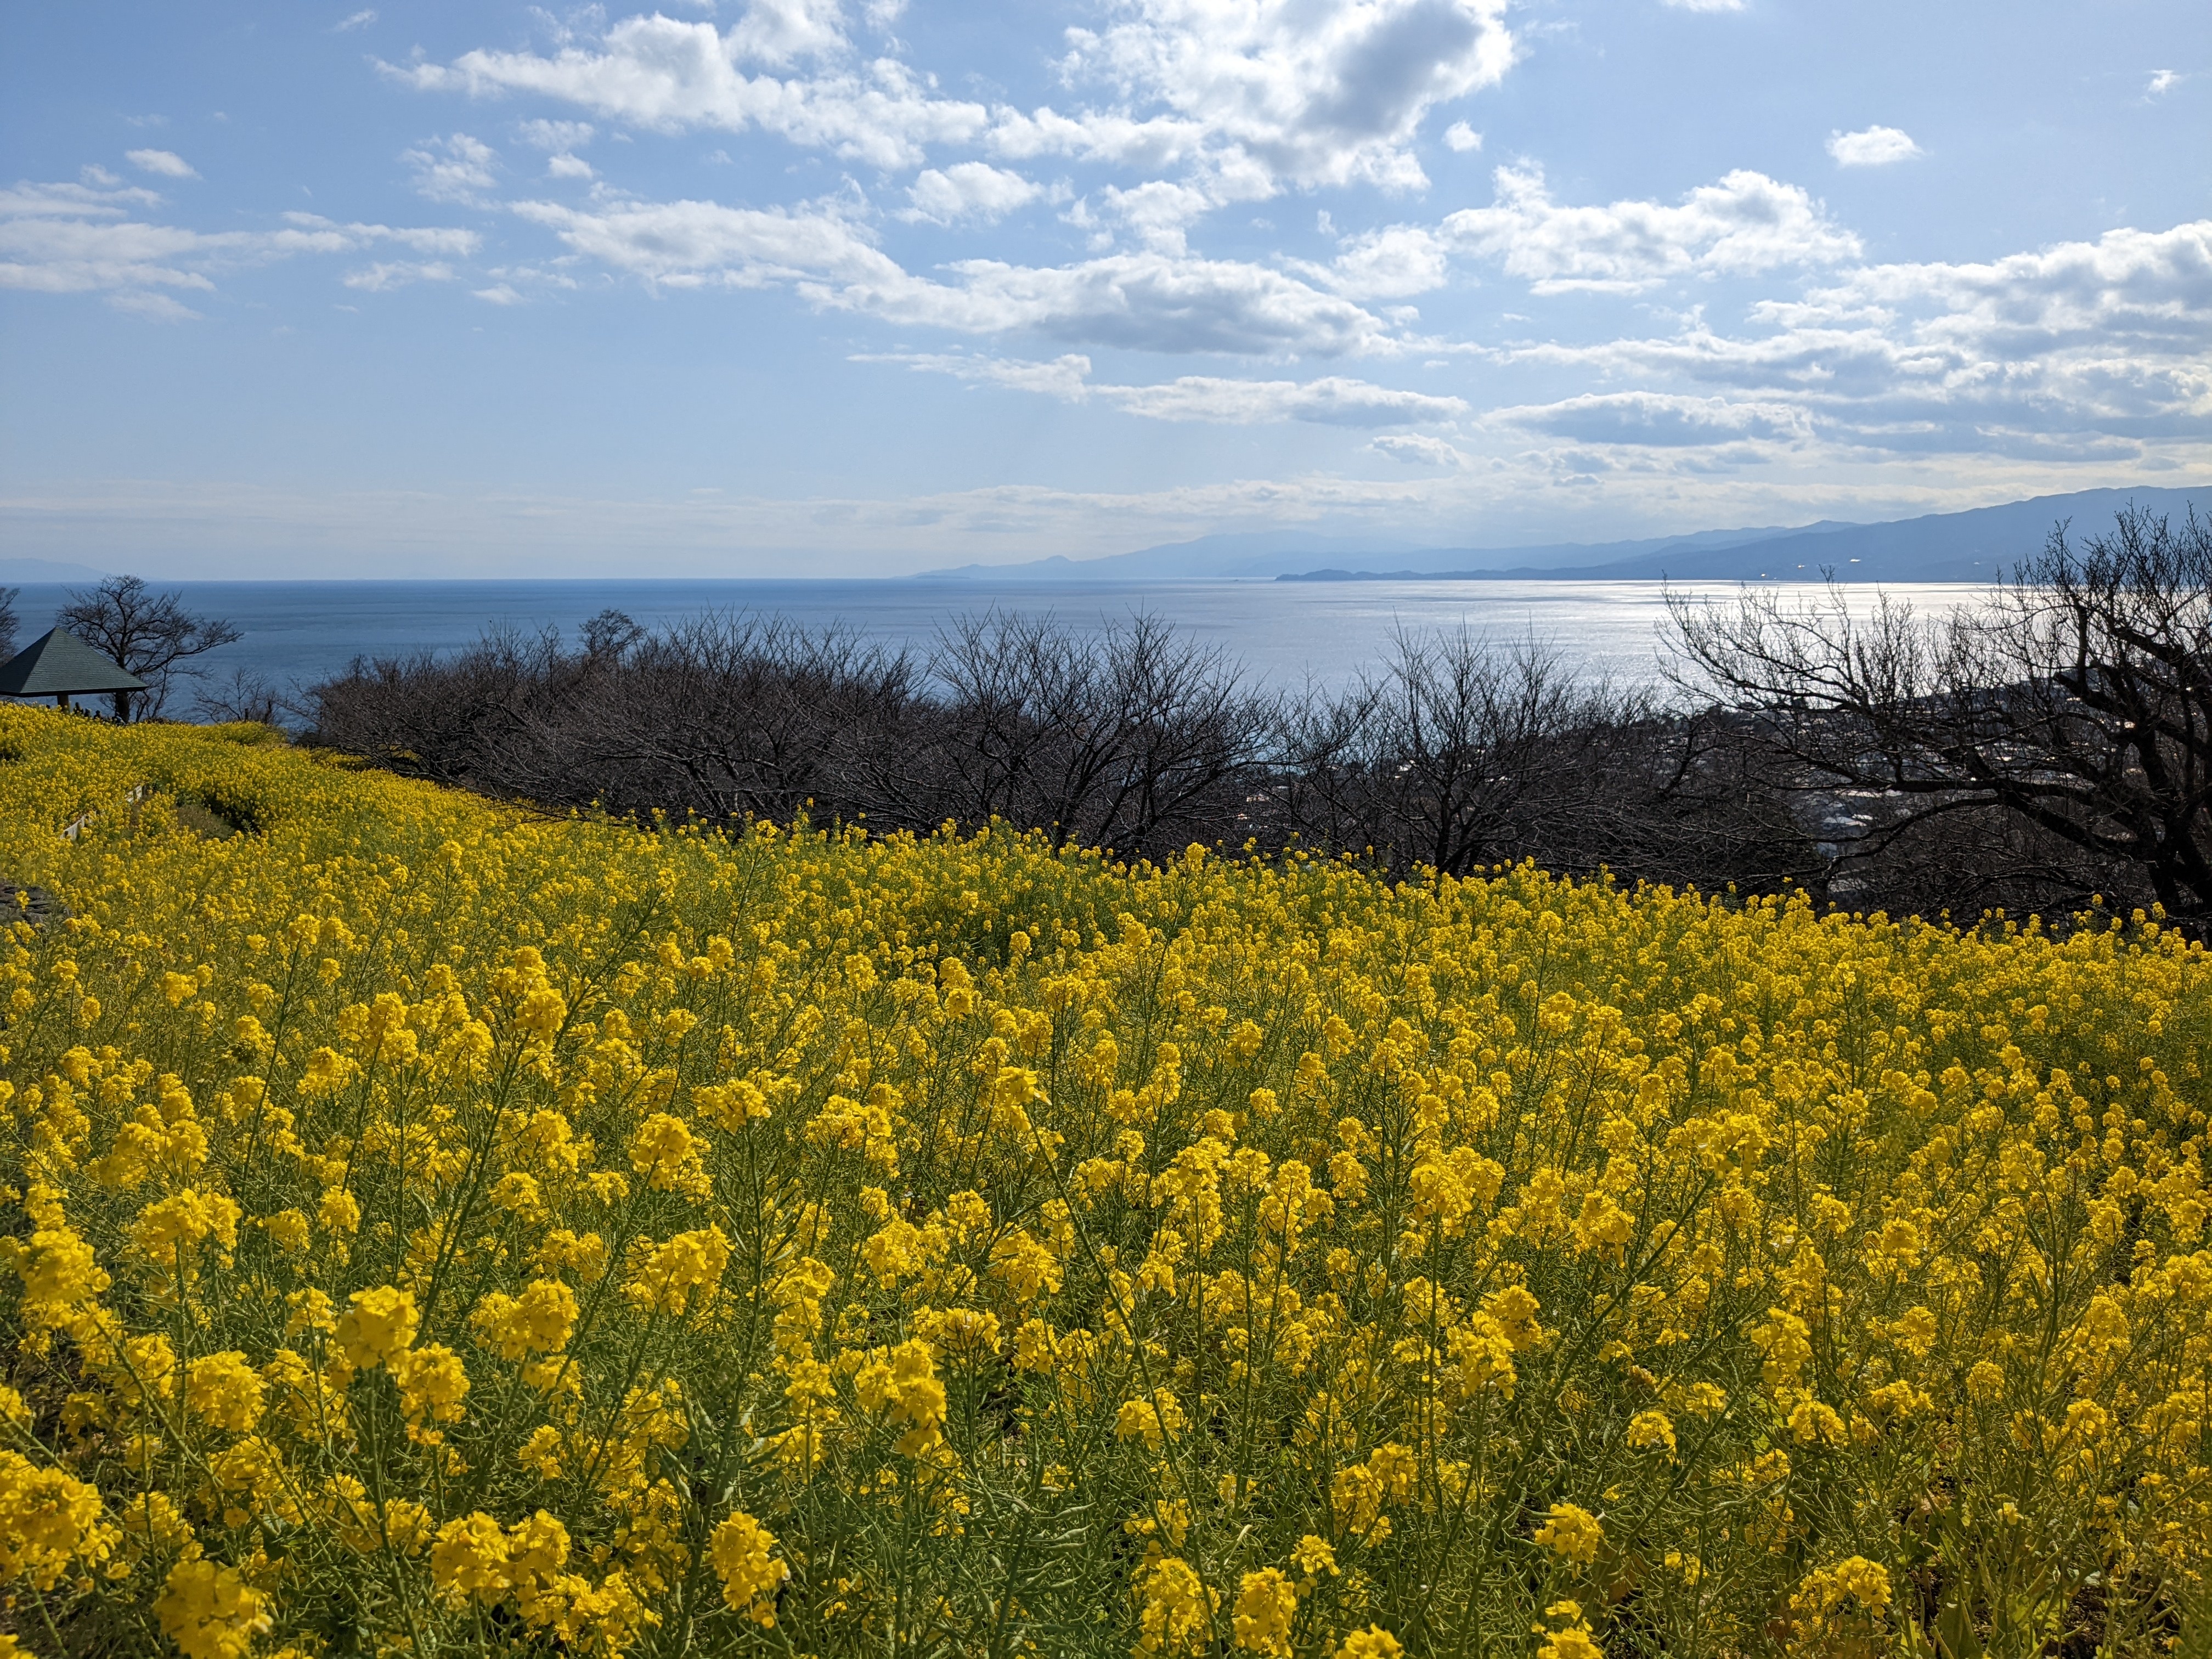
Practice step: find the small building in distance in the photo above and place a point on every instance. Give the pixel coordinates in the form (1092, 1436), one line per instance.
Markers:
(60, 666)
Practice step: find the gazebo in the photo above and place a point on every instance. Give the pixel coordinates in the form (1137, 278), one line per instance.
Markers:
(60, 666)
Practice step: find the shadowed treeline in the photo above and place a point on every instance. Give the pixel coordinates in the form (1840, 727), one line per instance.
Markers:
(1452, 752)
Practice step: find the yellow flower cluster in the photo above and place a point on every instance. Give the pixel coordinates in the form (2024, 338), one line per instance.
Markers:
(210, 1611)
(49, 1523)
(435, 1227)
(750, 1575)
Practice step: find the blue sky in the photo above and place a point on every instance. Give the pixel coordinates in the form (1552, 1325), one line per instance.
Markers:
(801, 288)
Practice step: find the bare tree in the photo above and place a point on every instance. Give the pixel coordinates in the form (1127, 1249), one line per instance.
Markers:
(2075, 702)
(149, 634)
(606, 636)
(1456, 752)
(483, 718)
(1133, 740)
(246, 696)
(1437, 753)
(729, 713)
(722, 713)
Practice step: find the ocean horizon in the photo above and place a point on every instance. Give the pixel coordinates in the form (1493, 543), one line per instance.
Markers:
(1280, 633)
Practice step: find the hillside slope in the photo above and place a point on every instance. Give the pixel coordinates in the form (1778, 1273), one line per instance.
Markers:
(448, 1227)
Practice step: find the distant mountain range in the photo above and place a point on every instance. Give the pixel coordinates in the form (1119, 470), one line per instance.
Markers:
(1976, 545)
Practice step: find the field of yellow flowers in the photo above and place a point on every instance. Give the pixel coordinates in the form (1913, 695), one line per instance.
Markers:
(432, 1228)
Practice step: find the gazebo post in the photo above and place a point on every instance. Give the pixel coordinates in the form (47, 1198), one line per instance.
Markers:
(61, 699)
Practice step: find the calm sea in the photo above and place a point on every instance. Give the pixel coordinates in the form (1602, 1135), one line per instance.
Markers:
(1282, 632)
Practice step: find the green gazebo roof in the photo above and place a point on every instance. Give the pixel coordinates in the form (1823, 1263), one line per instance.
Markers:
(62, 664)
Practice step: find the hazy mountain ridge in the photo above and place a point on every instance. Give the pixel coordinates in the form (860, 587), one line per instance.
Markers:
(1973, 545)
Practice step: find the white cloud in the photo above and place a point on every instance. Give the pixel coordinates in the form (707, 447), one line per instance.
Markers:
(2055, 353)
(1706, 5)
(1745, 224)
(555, 135)
(1387, 264)
(166, 163)
(974, 191)
(1241, 100)
(1418, 449)
(102, 195)
(687, 244)
(398, 273)
(1149, 300)
(73, 238)
(563, 139)
(2163, 82)
(51, 254)
(501, 294)
(781, 31)
(1462, 137)
(2113, 332)
(1159, 213)
(1146, 301)
(662, 73)
(1333, 400)
(314, 233)
(154, 308)
(1872, 147)
(1304, 92)
(1661, 420)
(1064, 376)
(360, 20)
(455, 169)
